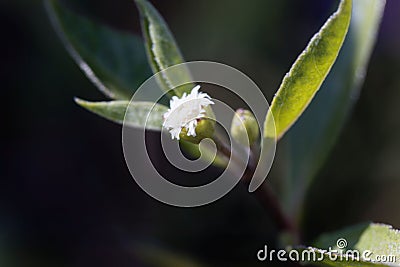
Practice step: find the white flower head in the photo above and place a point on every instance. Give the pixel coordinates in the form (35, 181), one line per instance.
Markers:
(185, 112)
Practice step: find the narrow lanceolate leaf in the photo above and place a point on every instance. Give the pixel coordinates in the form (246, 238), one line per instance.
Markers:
(114, 61)
(320, 125)
(162, 50)
(309, 71)
(140, 114)
(363, 245)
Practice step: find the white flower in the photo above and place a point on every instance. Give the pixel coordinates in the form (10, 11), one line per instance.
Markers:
(185, 111)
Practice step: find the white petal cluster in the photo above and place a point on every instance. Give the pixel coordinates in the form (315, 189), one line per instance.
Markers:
(185, 111)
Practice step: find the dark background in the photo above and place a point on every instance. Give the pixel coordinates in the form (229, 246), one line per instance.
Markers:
(66, 196)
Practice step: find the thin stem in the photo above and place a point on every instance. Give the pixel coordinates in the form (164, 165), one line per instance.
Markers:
(265, 195)
(268, 199)
(222, 147)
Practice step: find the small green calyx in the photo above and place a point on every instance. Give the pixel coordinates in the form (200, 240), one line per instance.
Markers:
(204, 129)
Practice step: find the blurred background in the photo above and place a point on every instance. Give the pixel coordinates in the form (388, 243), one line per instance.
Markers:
(66, 196)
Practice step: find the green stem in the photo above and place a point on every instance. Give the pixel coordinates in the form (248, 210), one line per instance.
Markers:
(265, 195)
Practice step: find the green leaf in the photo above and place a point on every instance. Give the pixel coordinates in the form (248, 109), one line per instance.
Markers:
(370, 241)
(309, 142)
(381, 240)
(162, 50)
(114, 61)
(140, 114)
(309, 71)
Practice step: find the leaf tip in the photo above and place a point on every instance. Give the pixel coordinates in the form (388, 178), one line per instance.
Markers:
(78, 101)
(83, 103)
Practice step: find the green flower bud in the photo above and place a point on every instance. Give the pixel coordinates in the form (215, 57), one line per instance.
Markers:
(244, 128)
(204, 129)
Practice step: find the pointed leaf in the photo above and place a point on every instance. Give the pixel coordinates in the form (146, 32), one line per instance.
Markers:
(309, 71)
(161, 47)
(114, 61)
(320, 125)
(141, 114)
